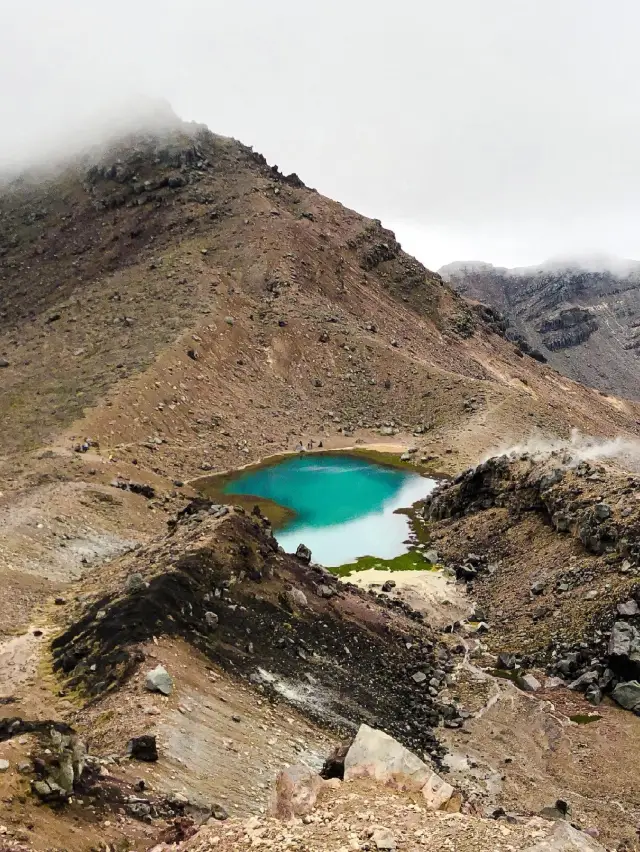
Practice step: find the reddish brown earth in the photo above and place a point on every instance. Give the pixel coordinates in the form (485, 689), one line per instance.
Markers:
(189, 309)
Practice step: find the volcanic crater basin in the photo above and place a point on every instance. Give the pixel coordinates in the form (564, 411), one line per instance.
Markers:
(343, 507)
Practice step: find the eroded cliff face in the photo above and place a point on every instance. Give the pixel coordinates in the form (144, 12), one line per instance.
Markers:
(586, 322)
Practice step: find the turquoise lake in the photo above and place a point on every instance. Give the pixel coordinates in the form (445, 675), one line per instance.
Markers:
(344, 505)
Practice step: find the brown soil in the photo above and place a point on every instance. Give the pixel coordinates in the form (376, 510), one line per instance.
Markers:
(189, 310)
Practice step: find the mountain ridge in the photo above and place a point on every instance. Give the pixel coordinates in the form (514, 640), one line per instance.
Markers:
(180, 308)
(584, 316)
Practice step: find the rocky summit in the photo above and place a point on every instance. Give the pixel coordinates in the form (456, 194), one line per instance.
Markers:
(174, 309)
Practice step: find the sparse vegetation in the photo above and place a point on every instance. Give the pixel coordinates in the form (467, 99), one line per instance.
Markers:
(585, 718)
(413, 560)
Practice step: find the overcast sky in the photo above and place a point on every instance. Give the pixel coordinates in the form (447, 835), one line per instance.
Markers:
(501, 130)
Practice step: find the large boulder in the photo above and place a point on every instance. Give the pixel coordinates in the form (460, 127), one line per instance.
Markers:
(143, 748)
(627, 695)
(565, 838)
(296, 598)
(374, 754)
(303, 553)
(624, 641)
(296, 791)
(159, 680)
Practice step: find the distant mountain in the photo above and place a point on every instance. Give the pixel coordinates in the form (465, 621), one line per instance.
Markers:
(582, 315)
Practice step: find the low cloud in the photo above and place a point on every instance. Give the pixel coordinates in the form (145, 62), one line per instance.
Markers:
(502, 131)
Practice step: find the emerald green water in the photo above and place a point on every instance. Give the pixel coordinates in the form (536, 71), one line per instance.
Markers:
(344, 505)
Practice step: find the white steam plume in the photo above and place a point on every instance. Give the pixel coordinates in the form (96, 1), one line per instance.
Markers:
(576, 449)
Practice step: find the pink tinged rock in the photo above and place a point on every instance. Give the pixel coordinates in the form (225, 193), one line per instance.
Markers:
(374, 754)
(296, 792)
(436, 792)
(565, 838)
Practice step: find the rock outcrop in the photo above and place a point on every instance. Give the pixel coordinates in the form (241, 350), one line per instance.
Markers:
(585, 319)
(584, 602)
(374, 754)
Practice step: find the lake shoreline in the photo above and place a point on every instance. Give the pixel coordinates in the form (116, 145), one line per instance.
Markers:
(342, 504)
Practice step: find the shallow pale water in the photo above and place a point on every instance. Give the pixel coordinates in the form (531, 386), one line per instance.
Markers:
(344, 505)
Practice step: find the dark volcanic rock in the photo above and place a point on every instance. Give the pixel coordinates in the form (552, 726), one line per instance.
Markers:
(364, 649)
(303, 553)
(143, 748)
(586, 613)
(567, 327)
(584, 320)
(628, 695)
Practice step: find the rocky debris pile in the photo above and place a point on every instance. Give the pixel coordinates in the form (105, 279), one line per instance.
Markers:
(142, 488)
(524, 484)
(60, 770)
(13, 726)
(59, 766)
(472, 566)
(149, 169)
(284, 624)
(373, 755)
(617, 670)
(388, 799)
(349, 821)
(596, 507)
(374, 246)
(10, 845)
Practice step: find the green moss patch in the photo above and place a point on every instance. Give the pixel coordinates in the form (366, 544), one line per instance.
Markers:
(386, 459)
(390, 459)
(512, 674)
(585, 718)
(411, 561)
